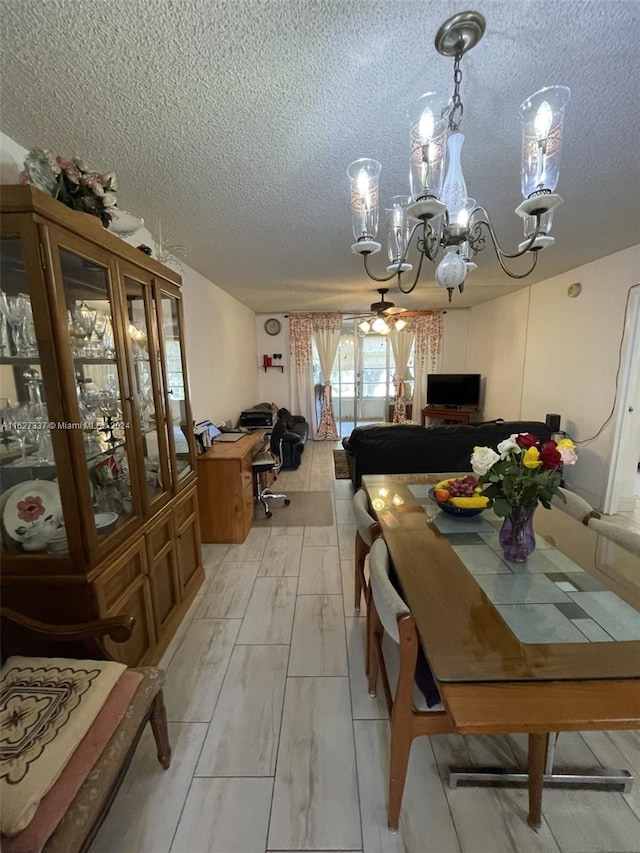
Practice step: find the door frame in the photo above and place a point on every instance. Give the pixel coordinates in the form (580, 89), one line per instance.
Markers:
(625, 449)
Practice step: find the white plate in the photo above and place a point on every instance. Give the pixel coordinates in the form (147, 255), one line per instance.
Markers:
(123, 222)
(44, 495)
(104, 519)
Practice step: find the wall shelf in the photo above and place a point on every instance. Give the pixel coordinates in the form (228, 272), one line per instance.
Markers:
(266, 367)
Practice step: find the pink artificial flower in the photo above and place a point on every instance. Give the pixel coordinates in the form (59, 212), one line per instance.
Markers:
(568, 454)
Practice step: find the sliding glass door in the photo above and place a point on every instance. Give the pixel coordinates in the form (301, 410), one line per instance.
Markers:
(362, 379)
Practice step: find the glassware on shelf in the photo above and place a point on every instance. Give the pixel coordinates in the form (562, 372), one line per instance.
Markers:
(38, 417)
(85, 317)
(76, 333)
(99, 330)
(14, 310)
(138, 337)
(29, 339)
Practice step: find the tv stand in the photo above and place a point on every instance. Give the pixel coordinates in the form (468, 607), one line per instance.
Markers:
(449, 414)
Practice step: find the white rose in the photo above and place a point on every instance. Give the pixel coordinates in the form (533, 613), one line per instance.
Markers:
(509, 445)
(482, 459)
(109, 199)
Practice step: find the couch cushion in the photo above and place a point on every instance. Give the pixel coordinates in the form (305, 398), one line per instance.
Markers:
(47, 705)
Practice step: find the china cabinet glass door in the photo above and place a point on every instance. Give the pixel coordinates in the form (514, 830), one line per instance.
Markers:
(30, 503)
(177, 405)
(147, 382)
(101, 400)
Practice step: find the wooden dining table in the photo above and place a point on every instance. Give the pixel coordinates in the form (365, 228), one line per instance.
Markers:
(541, 647)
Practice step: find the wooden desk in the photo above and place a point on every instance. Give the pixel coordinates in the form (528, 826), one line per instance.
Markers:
(489, 680)
(225, 488)
(462, 415)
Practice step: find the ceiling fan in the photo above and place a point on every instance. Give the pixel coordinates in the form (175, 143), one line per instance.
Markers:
(383, 316)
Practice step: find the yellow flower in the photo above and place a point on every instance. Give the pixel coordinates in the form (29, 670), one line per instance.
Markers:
(566, 442)
(530, 458)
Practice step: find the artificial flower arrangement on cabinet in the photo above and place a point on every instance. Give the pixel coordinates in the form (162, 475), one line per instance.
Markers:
(72, 182)
(523, 473)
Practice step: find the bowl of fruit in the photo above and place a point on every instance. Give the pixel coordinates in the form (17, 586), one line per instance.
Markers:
(459, 496)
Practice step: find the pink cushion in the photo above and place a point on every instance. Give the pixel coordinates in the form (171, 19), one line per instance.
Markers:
(56, 802)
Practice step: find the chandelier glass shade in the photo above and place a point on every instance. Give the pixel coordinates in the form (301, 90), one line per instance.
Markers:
(447, 225)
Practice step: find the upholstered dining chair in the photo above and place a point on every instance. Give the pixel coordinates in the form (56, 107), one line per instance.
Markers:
(367, 530)
(409, 713)
(625, 536)
(575, 506)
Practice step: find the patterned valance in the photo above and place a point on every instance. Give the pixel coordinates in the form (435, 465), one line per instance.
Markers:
(300, 334)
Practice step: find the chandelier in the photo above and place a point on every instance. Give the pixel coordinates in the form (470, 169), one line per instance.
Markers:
(446, 223)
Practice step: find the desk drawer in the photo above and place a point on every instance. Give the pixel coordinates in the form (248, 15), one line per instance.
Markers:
(246, 471)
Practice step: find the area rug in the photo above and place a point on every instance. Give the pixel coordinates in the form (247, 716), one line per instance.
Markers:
(307, 509)
(340, 465)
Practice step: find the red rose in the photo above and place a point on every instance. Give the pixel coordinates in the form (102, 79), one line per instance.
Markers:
(527, 440)
(550, 455)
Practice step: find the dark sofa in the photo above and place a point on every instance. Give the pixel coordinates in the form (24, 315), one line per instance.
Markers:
(293, 429)
(413, 449)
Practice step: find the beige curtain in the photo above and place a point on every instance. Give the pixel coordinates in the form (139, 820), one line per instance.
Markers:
(401, 343)
(326, 333)
(302, 391)
(427, 329)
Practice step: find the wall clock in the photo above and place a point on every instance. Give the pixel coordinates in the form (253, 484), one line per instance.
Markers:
(272, 326)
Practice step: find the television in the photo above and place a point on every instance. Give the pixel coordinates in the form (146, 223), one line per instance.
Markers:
(453, 389)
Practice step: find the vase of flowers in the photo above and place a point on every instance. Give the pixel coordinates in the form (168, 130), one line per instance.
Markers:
(521, 474)
(72, 183)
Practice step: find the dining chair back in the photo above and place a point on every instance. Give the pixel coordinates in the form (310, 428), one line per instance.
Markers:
(409, 714)
(574, 505)
(367, 529)
(625, 536)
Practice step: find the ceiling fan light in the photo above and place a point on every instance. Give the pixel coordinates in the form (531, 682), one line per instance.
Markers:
(380, 327)
(364, 326)
(400, 324)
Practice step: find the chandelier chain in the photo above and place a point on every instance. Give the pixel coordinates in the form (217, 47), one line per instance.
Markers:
(455, 116)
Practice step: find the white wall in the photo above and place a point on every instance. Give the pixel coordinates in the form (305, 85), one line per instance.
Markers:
(274, 385)
(219, 331)
(542, 351)
(455, 331)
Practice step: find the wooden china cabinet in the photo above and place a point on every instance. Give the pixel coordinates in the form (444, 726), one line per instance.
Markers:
(98, 506)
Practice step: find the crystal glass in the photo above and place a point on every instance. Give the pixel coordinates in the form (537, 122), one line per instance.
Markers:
(542, 116)
(363, 176)
(14, 309)
(398, 227)
(428, 117)
(86, 319)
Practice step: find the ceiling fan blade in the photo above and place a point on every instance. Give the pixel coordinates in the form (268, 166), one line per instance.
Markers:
(393, 310)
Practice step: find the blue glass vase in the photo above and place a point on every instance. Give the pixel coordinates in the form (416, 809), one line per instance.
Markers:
(516, 537)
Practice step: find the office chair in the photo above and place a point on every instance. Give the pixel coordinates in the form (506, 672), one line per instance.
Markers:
(269, 460)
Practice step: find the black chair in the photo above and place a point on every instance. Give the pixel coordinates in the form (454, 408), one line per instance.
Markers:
(269, 460)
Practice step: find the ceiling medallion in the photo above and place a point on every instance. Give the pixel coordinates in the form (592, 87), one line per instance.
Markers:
(445, 222)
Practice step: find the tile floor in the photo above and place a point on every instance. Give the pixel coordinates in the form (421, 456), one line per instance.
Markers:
(278, 747)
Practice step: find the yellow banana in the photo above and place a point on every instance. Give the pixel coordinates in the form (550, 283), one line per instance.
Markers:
(475, 502)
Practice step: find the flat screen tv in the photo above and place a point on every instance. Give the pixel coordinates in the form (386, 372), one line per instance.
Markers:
(453, 389)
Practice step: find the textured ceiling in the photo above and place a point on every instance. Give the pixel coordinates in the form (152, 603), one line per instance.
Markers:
(233, 122)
